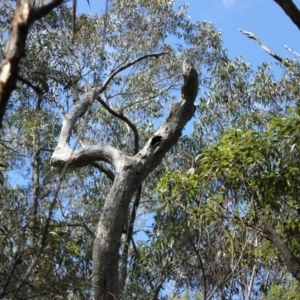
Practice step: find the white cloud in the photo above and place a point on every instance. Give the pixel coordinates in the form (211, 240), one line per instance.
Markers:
(228, 3)
(237, 4)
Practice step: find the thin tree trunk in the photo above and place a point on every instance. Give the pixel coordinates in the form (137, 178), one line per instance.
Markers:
(36, 178)
(291, 261)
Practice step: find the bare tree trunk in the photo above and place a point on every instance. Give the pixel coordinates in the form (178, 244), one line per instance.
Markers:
(126, 243)
(131, 171)
(107, 242)
(128, 179)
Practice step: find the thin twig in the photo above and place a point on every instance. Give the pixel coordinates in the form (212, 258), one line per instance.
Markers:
(126, 120)
(34, 87)
(124, 67)
(291, 50)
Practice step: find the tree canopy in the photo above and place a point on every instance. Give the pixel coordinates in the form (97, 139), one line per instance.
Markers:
(103, 193)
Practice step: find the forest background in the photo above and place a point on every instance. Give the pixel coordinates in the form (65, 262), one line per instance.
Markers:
(105, 195)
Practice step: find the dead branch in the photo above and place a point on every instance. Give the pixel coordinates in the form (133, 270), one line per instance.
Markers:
(251, 35)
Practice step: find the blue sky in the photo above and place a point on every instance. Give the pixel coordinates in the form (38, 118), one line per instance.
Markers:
(262, 17)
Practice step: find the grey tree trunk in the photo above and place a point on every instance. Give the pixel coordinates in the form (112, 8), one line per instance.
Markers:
(131, 171)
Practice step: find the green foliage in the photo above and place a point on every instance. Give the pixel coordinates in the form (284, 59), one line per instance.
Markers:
(240, 163)
(48, 218)
(198, 296)
(248, 167)
(243, 176)
(287, 290)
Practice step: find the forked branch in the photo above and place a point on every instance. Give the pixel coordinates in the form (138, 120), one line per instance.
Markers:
(87, 155)
(126, 120)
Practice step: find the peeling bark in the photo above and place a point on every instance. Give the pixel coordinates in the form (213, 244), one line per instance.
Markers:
(131, 171)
